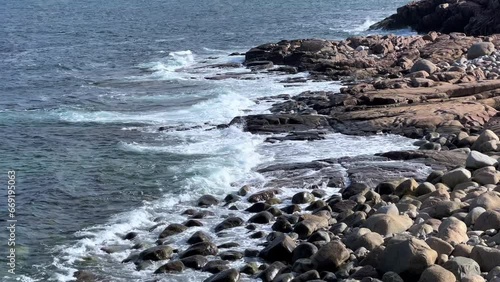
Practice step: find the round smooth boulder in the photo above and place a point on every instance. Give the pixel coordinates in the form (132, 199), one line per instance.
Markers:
(480, 49)
(302, 198)
(207, 200)
(228, 275)
(330, 256)
(423, 65)
(437, 273)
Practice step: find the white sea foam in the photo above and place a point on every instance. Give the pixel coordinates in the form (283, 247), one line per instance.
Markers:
(223, 157)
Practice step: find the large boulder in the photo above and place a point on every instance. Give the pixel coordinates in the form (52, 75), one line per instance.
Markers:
(228, 275)
(207, 200)
(172, 229)
(408, 258)
(424, 65)
(456, 176)
(488, 200)
(229, 222)
(437, 273)
(280, 249)
(487, 220)
(477, 160)
(453, 231)
(202, 248)
(486, 175)
(480, 49)
(487, 258)
(462, 267)
(311, 223)
(156, 253)
(387, 224)
(330, 256)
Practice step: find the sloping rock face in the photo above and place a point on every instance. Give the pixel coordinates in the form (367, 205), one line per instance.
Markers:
(475, 17)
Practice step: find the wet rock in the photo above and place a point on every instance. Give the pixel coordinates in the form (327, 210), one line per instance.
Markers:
(391, 277)
(199, 236)
(330, 256)
(192, 223)
(202, 248)
(304, 250)
(280, 249)
(228, 223)
(130, 236)
(207, 200)
(302, 198)
(282, 225)
(170, 267)
(302, 265)
(250, 268)
(85, 276)
(231, 255)
(258, 207)
(231, 198)
(228, 245)
(228, 275)
(156, 253)
(262, 195)
(261, 217)
(172, 229)
(272, 271)
(307, 276)
(310, 224)
(196, 262)
(215, 266)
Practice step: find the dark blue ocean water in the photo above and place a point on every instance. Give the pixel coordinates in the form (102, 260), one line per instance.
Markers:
(84, 86)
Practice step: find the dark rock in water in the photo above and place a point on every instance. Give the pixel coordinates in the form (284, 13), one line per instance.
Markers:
(229, 222)
(231, 255)
(199, 236)
(258, 207)
(202, 214)
(258, 234)
(302, 265)
(207, 200)
(132, 257)
(156, 253)
(192, 222)
(231, 198)
(202, 248)
(342, 206)
(307, 276)
(320, 235)
(194, 262)
(280, 249)
(228, 245)
(250, 268)
(282, 225)
(291, 209)
(130, 235)
(354, 189)
(470, 17)
(302, 198)
(267, 123)
(304, 250)
(251, 253)
(260, 65)
(228, 275)
(143, 264)
(215, 266)
(434, 159)
(172, 229)
(85, 276)
(274, 211)
(261, 217)
(272, 271)
(115, 248)
(263, 195)
(298, 136)
(173, 266)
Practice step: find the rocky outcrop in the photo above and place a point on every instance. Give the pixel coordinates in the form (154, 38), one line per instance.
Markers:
(475, 17)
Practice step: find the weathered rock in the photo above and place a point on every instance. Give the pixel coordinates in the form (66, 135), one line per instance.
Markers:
(456, 176)
(272, 271)
(304, 250)
(231, 255)
(480, 49)
(440, 246)
(424, 65)
(280, 249)
(302, 198)
(407, 257)
(330, 256)
(172, 229)
(488, 220)
(385, 224)
(487, 258)
(436, 273)
(461, 267)
(370, 241)
(486, 175)
(202, 248)
(453, 231)
(229, 222)
(199, 236)
(228, 275)
(207, 200)
(215, 266)
(310, 224)
(477, 160)
(156, 253)
(172, 266)
(261, 217)
(488, 200)
(195, 262)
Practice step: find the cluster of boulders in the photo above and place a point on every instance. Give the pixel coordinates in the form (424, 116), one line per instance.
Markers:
(475, 17)
(443, 229)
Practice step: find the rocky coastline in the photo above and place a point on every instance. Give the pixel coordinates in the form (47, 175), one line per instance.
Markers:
(430, 214)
